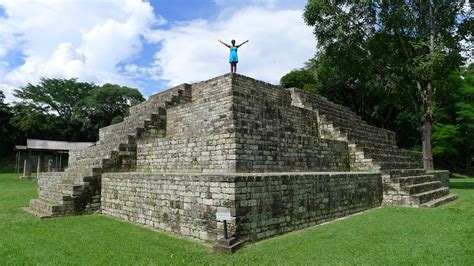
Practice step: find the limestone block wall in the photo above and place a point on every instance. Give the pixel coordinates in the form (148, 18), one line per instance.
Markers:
(199, 134)
(237, 124)
(278, 203)
(274, 135)
(261, 205)
(47, 180)
(440, 175)
(180, 204)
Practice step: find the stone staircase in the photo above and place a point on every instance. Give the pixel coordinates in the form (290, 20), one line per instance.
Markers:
(374, 149)
(77, 189)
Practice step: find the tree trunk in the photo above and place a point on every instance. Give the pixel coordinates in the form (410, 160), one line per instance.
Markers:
(426, 95)
(427, 153)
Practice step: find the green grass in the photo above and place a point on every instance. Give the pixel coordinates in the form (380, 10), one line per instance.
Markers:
(399, 236)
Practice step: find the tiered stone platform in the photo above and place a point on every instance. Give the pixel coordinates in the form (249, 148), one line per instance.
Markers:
(375, 150)
(278, 159)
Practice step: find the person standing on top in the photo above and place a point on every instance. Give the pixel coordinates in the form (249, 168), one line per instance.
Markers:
(233, 58)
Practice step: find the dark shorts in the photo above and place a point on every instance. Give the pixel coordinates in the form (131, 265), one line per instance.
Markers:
(233, 63)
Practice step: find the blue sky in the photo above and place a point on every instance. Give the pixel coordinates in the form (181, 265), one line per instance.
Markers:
(148, 45)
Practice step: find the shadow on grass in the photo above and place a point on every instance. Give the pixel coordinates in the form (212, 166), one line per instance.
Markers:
(462, 184)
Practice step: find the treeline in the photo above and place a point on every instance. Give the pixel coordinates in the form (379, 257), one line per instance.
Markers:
(62, 109)
(453, 128)
(400, 66)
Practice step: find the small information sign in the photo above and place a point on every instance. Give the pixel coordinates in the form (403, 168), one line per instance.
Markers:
(223, 214)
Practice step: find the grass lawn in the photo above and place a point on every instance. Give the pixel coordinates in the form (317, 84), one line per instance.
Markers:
(444, 235)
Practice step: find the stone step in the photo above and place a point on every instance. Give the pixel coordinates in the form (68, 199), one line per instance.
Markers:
(371, 144)
(366, 140)
(116, 150)
(355, 135)
(46, 206)
(70, 189)
(377, 137)
(323, 102)
(395, 152)
(396, 165)
(55, 196)
(115, 139)
(337, 114)
(356, 125)
(77, 169)
(412, 180)
(439, 201)
(38, 213)
(421, 187)
(347, 123)
(388, 158)
(101, 150)
(394, 173)
(430, 195)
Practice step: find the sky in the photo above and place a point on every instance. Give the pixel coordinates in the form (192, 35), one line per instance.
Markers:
(148, 45)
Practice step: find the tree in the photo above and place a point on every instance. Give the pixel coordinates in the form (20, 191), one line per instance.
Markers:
(453, 130)
(70, 110)
(299, 78)
(6, 131)
(465, 115)
(46, 110)
(105, 105)
(410, 47)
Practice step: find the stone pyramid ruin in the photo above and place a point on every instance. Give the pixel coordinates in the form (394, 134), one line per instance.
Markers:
(278, 159)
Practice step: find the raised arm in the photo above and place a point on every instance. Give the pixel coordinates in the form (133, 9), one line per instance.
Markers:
(224, 43)
(242, 43)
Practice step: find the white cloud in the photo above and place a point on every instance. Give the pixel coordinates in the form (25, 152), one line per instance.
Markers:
(64, 39)
(279, 42)
(95, 41)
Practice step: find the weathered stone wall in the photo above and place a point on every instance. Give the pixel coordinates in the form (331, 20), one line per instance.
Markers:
(278, 203)
(274, 135)
(184, 204)
(440, 175)
(199, 134)
(237, 124)
(417, 157)
(262, 205)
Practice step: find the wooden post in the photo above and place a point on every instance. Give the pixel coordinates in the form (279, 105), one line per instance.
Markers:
(30, 163)
(38, 167)
(17, 162)
(26, 170)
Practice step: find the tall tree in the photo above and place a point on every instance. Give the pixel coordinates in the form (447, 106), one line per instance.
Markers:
(70, 110)
(6, 131)
(413, 46)
(104, 105)
(299, 78)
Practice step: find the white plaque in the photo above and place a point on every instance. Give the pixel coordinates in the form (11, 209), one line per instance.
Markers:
(223, 214)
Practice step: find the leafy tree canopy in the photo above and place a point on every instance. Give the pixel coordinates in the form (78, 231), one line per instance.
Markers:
(6, 138)
(405, 50)
(66, 109)
(299, 78)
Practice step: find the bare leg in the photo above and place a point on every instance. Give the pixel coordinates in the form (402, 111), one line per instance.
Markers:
(233, 67)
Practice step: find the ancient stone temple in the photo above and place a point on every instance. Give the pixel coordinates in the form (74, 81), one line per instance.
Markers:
(278, 159)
